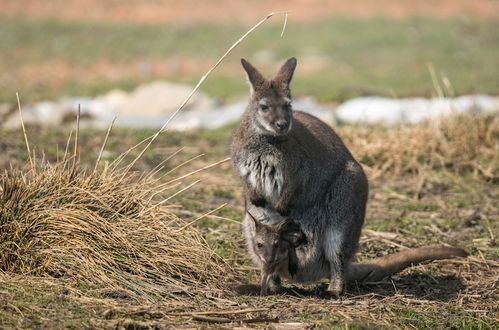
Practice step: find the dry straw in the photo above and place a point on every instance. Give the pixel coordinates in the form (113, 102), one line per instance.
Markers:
(457, 144)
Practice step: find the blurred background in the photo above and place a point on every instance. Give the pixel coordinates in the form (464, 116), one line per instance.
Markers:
(80, 50)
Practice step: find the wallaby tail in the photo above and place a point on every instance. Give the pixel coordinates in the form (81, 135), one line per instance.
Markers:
(379, 268)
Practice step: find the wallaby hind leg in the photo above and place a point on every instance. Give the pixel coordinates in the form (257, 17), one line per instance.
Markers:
(336, 281)
(336, 262)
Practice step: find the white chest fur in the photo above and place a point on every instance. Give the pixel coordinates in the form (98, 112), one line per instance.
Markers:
(264, 174)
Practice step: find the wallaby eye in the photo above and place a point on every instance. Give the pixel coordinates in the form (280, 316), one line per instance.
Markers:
(264, 107)
(287, 106)
(259, 245)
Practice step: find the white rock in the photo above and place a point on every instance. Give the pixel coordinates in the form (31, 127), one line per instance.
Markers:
(115, 98)
(96, 112)
(14, 120)
(216, 116)
(311, 106)
(50, 113)
(380, 110)
(159, 97)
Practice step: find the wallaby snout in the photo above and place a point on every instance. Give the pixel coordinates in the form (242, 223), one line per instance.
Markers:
(275, 119)
(282, 126)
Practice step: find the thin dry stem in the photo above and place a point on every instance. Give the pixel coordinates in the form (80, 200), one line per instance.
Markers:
(284, 25)
(198, 170)
(67, 145)
(104, 144)
(77, 132)
(202, 216)
(24, 131)
(434, 80)
(172, 196)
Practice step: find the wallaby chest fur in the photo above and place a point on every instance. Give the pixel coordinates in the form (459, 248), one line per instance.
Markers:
(293, 171)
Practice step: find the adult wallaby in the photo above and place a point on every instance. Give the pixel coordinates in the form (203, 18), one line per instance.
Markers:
(294, 166)
(275, 249)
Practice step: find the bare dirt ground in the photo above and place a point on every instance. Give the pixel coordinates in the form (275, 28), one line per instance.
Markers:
(220, 11)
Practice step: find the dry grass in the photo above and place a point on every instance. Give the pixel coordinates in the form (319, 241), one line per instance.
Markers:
(103, 229)
(458, 144)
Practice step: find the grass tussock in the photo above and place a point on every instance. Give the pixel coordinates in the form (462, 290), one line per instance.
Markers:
(459, 144)
(102, 229)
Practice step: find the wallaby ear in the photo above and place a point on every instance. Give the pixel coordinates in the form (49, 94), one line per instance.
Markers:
(291, 232)
(255, 78)
(285, 74)
(254, 224)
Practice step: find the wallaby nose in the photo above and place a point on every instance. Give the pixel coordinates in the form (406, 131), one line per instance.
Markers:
(282, 125)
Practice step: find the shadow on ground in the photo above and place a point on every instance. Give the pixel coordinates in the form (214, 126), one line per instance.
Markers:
(420, 286)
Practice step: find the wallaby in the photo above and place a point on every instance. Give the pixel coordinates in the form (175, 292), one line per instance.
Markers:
(275, 247)
(294, 166)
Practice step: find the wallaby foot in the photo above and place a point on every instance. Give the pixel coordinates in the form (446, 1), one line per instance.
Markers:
(270, 285)
(335, 288)
(328, 294)
(336, 275)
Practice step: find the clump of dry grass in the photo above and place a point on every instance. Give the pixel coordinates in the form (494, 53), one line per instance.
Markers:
(457, 143)
(103, 229)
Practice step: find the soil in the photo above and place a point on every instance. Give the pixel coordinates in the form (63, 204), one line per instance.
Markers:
(220, 11)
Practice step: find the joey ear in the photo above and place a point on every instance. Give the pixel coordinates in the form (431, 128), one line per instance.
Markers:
(255, 78)
(285, 74)
(254, 224)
